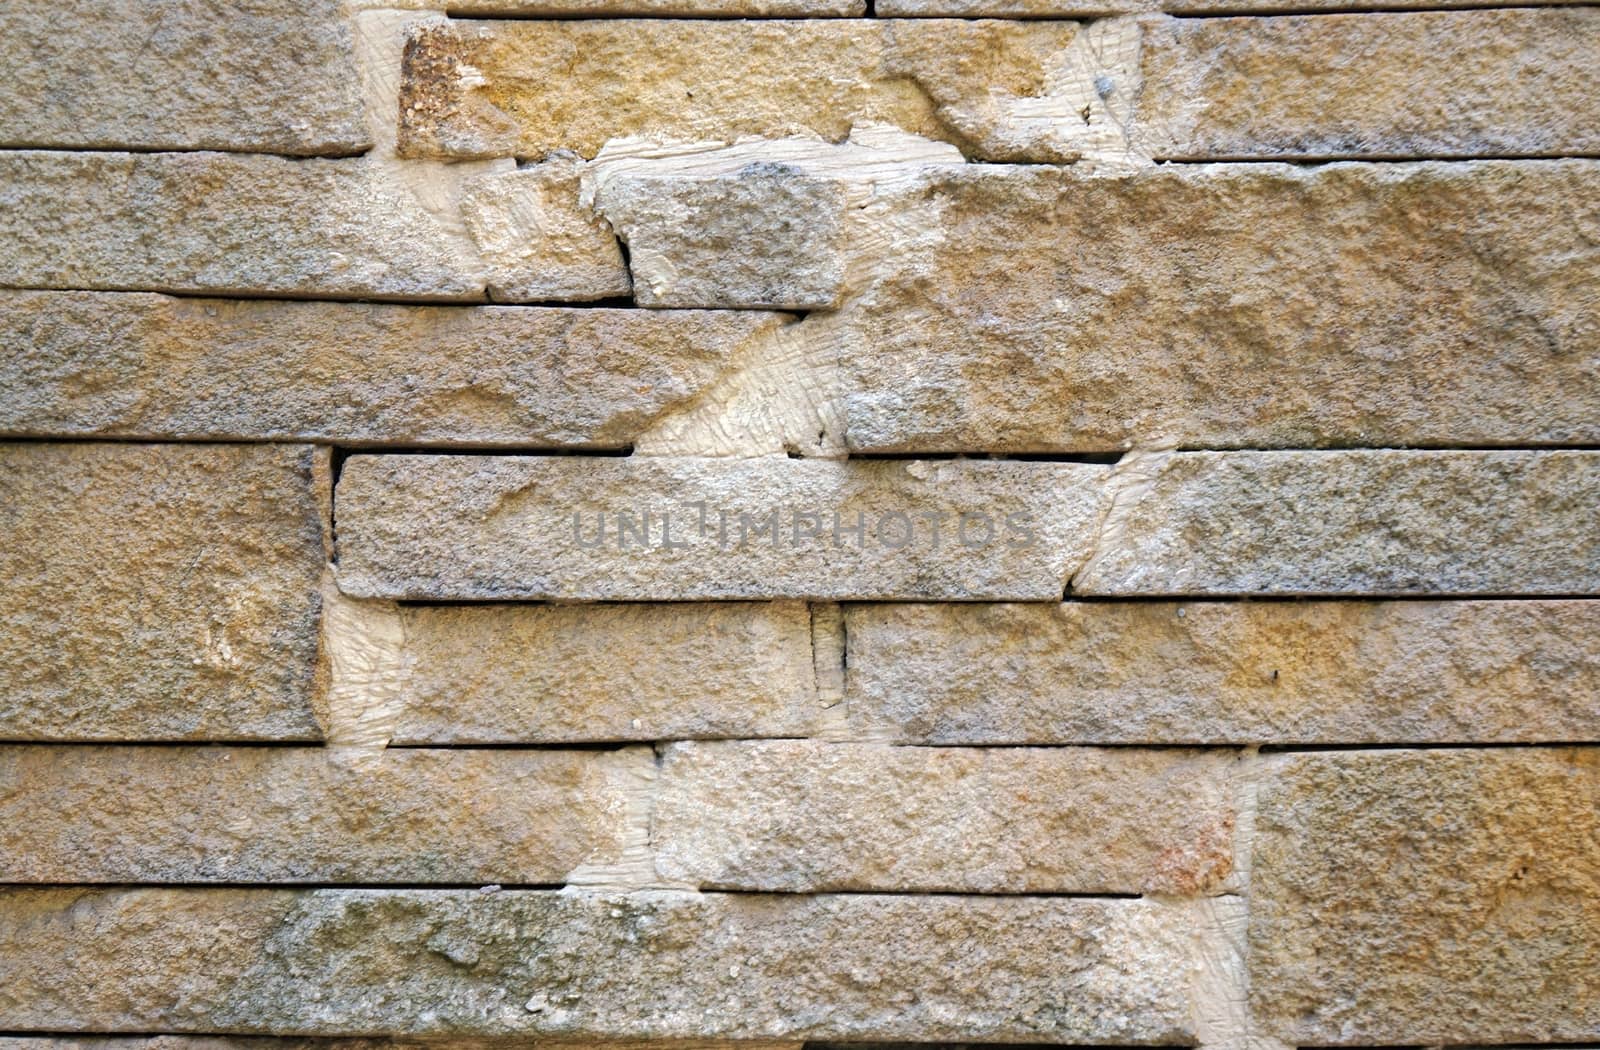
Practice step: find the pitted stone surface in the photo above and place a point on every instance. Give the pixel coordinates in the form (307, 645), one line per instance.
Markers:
(159, 592)
(1428, 896)
(592, 528)
(1340, 672)
(224, 224)
(275, 814)
(1002, 91)
(803, 816)
(1513, 82)
(1363, 523)
(643, 965)
(559, 674)
(262, 76)
(1226, 306)
(152, 366)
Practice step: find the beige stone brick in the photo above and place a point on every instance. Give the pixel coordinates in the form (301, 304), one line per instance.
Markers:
(1428, 897)
(1001, 91)
(278, 814)
(1367, 522)
(597, 966)
(149, 366)
(1517, 81)
(1339, 672)
(159, 592)
(266, 76)
(224, 223)
(551, 673)
(805, 816)
(1224, 306)
(503, 528)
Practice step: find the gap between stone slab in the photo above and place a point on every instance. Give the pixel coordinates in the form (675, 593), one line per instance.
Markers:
(1246, 11)
(1496, 745)
(1315, 160)
(256, 295)
(335, 155)
(303, 886)
(1069, 596)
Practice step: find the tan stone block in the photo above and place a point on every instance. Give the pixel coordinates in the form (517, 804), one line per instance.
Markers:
(537, 242)
(276, 814)
(224, 224)
(1001, 91)
(1517, 81)
(1355, 305)
(806, 816)
(1341, 672)
(247, 1042)
(159, 592)
(659, 528)
(268, 76)
(149, 366)
(768, 235)
(598, 966)
(1367, 522)
(658, 8)
(1428, 897)
(553, 674)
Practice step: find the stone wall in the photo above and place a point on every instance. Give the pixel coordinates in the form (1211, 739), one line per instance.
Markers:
(739, 524)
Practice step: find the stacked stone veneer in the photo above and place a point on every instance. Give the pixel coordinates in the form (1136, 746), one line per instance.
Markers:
(1011, 521)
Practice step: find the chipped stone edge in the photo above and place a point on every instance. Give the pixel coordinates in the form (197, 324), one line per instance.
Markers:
(1122, 491)
(367, 670)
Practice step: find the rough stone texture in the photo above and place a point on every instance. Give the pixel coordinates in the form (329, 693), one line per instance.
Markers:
(1435, 83)
(557, 674)
(537, 242)
(658, 8)
(805, 816)
(1226, 672)
(1226, 306)
(766, 235)
(158, 592)
(1001, 91)
(1364, 522)
(274, 814)
(658, 965)
(268, 76)
(1428, 897)
(246, 1042)
(149, 366)
(496, 528)
(1104, 8)
(222, 223)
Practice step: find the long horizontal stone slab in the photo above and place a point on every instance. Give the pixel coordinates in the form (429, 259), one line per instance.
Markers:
(806, 816)
(658, 8)
(1356, 305)
(643, 965)
(249, 1042)
(223, 223)
(1102, 8)
(272, 76)
(1355, 522)
(1002, 91)
(495, 528)
(150, 366)
(159, 592)
(1391, 84)
(561, 674)
(1340, 672)
(1519, 81)
(1428, 897)
(288, 814)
